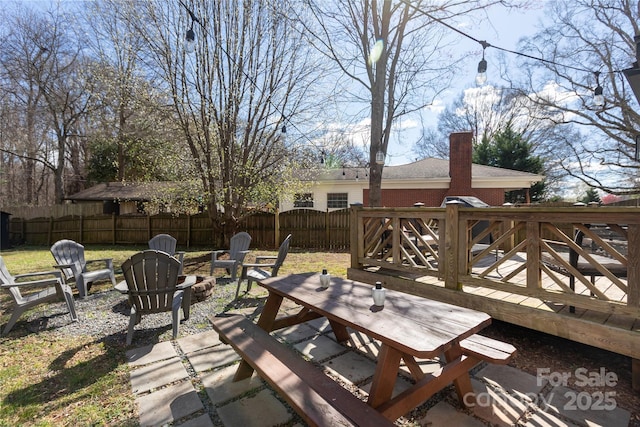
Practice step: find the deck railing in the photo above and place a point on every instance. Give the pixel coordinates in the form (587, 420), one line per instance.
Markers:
(525, 251)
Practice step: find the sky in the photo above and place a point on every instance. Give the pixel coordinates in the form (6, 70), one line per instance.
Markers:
(504, 29)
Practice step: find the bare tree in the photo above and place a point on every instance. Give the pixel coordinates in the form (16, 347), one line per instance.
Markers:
(395, 52)
(132, 125)
(486, 110)
(248, 79)
(586, 43)
(43, 67)
(117, 74)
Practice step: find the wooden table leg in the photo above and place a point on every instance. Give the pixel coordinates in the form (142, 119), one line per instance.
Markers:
(462, 384)
(384, 379)
(266, 320)
(340, 331)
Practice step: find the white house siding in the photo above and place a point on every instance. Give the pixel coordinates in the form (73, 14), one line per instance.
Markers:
(319, 191)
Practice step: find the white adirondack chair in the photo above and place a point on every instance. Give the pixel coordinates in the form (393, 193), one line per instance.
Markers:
(49, 293)
(70, 258)
(151, 279)
(238, 249)
(258, 270)
(167, 243)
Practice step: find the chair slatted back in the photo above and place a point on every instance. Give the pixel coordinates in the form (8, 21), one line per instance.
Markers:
(68, 252)
(7, 279)
(152, 277)
(164, 242)
(282, 254)
(239, 242)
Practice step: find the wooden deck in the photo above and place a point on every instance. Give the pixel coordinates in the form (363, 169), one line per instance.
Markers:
(519, 285)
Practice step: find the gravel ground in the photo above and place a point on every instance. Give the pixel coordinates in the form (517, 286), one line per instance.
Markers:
(104, 314)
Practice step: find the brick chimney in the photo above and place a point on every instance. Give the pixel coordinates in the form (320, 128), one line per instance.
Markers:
(460, 148)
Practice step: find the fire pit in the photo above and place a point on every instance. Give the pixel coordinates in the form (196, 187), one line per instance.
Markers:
(203, 287)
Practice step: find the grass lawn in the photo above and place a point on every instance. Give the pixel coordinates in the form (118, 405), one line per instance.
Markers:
(51, 379)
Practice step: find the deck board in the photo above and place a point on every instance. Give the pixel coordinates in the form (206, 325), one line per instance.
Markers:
(611, 291)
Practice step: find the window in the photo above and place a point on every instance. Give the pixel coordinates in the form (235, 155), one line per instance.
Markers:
(337, 200)
(303, 200)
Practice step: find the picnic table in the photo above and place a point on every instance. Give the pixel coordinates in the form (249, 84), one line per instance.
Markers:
(408, 328)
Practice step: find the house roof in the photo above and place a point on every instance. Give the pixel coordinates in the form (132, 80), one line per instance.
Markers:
(432, 169)
(134, 191)
(426, 170)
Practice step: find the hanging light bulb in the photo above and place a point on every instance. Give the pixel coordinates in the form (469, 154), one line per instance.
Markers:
(190, 40)
(481, 77)
(598, 97)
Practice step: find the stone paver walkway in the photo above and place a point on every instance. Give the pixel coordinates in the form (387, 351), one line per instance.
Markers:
(187, 383)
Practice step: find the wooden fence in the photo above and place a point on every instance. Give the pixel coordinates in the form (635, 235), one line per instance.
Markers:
(310, 229)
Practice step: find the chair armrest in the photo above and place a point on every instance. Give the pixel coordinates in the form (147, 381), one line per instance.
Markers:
(189, 281)
(32, 283)
(56, 273)
(258, 265)
(266, 257)
(214, 254)
(179, 255)
(122, 287)
(108, 262)
(57, 279)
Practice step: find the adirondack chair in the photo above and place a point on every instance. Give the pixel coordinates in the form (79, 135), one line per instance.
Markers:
(70, 258)
(151, 279)
(167, 243)
(22, 303)
(257, 271)
(238, 249)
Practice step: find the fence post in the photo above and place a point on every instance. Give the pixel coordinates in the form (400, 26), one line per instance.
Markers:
(113, 228)
(188, 230)
(534, 274)
(327, 242)
(50, 232)
(633, 275)
(451, 245)
(356, 238)
(149, 236)
(81, 228)
(276, 228)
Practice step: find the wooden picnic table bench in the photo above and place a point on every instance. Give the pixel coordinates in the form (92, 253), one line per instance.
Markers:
(407, 327)
(318, 399)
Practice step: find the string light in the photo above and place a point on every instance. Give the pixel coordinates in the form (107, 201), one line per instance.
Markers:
(190, 38)
(190, 44)
(481, 78)
(633, 74)
(598, 95)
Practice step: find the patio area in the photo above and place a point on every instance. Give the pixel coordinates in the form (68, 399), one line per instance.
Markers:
(188, 382)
